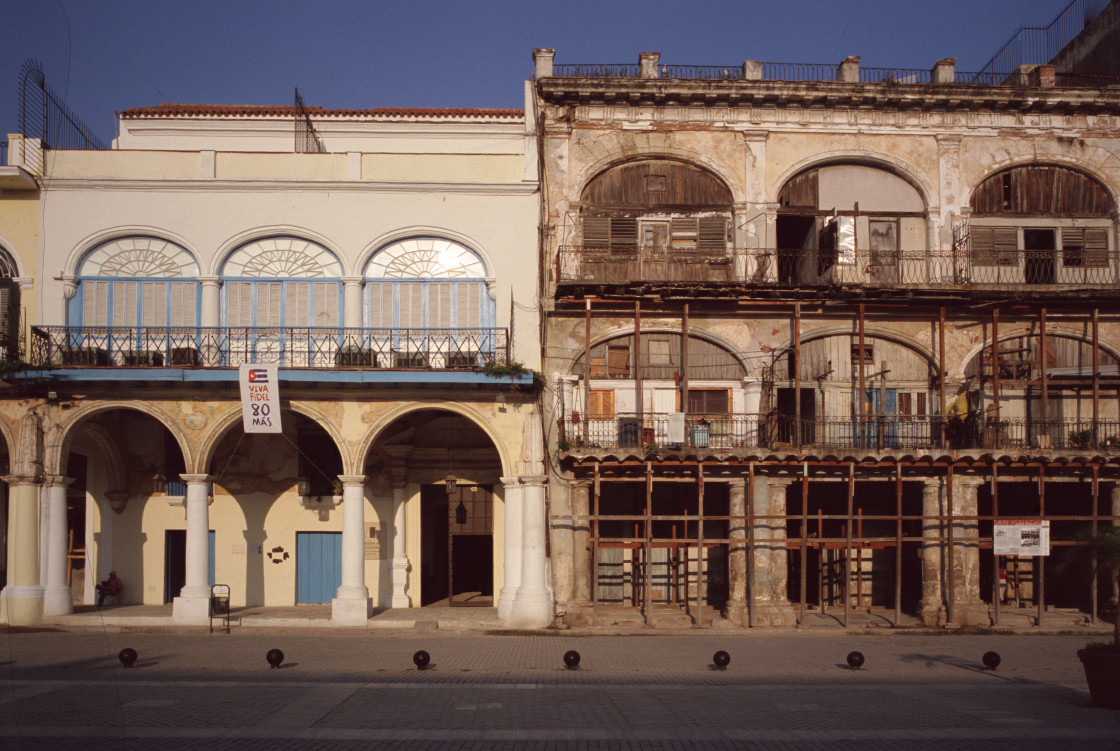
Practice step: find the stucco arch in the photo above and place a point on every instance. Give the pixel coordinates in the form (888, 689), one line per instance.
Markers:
(619, 331)
(1088, 169)
(226, 249)
(871, 332)
(209, 441)
(676, 154)
(57, 439)
(404, 408)
(6, 247)
(1021, 330)
(405, 233)
(8, 436)
(900, 168)
(110, 453)
(88, 243)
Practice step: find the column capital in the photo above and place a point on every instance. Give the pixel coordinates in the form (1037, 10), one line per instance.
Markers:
(55, 480)
(780, 482)
(534, 480)
(510, 482)
(970, 481)
(197, 479)
(352, 479)
(13, 480)
(210, 281)
(117, 500)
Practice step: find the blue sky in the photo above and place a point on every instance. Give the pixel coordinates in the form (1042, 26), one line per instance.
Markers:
(105, 57)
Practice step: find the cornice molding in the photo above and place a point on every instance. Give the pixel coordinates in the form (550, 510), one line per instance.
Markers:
(282, 186)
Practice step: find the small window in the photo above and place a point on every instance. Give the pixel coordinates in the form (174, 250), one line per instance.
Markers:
(1084, 247)
(659, 352)
(656, 184)
(618, 362)
(868, 355)
(600, 404)
(709, 402)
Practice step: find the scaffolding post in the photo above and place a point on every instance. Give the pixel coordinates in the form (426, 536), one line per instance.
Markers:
(700, 545)
(848, 544)
(995, 558)
(950, 607)
(750, 545)
(804, 536)
(898, 549)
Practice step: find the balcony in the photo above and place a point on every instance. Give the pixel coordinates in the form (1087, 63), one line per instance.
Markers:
(653, 433)
(229, 347)
(792, 269)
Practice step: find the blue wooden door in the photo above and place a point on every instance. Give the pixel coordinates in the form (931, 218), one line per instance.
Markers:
(318, 566)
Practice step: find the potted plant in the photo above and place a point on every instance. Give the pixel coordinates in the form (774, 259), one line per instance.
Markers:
(1081, 438)
(1101, 660)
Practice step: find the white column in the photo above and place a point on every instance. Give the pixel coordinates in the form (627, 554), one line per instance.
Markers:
(532, 606)
(352, 301)
(210, 313)
(22, 598)
(44, 534)
(57, 598)
(400, 566)
(351, 605)
(511, 547)
(192, 606)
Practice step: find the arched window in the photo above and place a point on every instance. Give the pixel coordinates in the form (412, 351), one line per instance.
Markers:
(282, 282)
(426, 283)
(137, 281)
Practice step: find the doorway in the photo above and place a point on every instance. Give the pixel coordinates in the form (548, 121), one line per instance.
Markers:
(318, 566)
(457, 545)
(175, 562)
(1041, 251)
(789, 430)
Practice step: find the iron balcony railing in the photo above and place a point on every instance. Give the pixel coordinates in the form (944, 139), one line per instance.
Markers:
(825, 268)
(226, 347)
(653, 432)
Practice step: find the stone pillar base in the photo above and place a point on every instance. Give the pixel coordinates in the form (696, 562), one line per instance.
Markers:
(505, 602)
(531, 609)
(932, 614)
(191, 611)
(22, 606)
(773, 616)
(58, 601)
(971, 613)
(736, 613)
(351, 611)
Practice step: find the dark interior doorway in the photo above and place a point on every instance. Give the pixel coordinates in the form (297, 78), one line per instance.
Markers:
(789, 431)
(457, 545)
(175, 562)
(1040, 251)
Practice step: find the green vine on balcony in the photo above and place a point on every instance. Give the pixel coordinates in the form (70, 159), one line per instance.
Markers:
(512, 369)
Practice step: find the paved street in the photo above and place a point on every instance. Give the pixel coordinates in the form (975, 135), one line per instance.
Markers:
(791, 690)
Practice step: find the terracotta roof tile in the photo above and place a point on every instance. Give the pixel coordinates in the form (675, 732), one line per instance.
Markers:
(168, 109)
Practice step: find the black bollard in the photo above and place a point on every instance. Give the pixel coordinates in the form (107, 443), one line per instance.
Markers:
(855, 660)
(571, 659)
(421, 658)
(721, 660)
(274, 657)
(127, 656)
(991, 660)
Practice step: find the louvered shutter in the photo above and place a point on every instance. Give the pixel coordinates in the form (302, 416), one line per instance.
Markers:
(600, 403)
(469, 304)
(439, 305)
(95, 303)
(153, 307)
(596, 231)
(183, 304)
(269, 304)
(240, 303)
(713, 233)
(994, 246)
(124, 303)
(326, 304)
(411, 306)
(298, 309)
(683, 232)
(624, 232)
(381, 305)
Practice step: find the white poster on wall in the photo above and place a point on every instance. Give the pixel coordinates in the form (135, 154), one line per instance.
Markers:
(260, 398)
(1021, 537)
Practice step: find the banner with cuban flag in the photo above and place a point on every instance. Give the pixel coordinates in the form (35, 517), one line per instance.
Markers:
(260, 398)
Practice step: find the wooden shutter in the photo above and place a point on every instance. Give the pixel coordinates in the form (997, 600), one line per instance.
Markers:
(683, 232)
(153, 310)
(95, 303)
(269, 304)
(411, 306)
(1084, 246)
(239, 299)
(600, 403)
(713, 233)
(618, 361)
(381, 305)
(439, 305)
(184, 297)
(298, 309)
(596, 231)
(124, 303)
(468, 302)
(624, 232)
(326, 304)
(994, 246)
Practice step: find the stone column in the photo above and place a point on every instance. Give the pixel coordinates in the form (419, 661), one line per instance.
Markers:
(22, 598)
(581, 543)
(1114, 597)
(44, 511)
(737, 554)
(968, 608)
(532, 607)
(559, 529)
(57, 597)
(192, 606)
(931, 608)
(352, 301)
(770, 604)
(400, 566)
(351, 605)
(511, 546)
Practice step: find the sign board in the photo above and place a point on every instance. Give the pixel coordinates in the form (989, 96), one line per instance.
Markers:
(260, 398)
(1022, 537)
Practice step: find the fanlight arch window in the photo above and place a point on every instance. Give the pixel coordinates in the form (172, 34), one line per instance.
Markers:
(282, 281)
(137, 281)
(427, 282)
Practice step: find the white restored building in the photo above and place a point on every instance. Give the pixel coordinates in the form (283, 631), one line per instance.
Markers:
(385, 261)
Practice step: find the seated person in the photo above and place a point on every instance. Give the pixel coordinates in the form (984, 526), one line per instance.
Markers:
(111, 586)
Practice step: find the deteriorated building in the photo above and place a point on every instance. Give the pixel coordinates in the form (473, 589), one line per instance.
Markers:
(812, 333)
